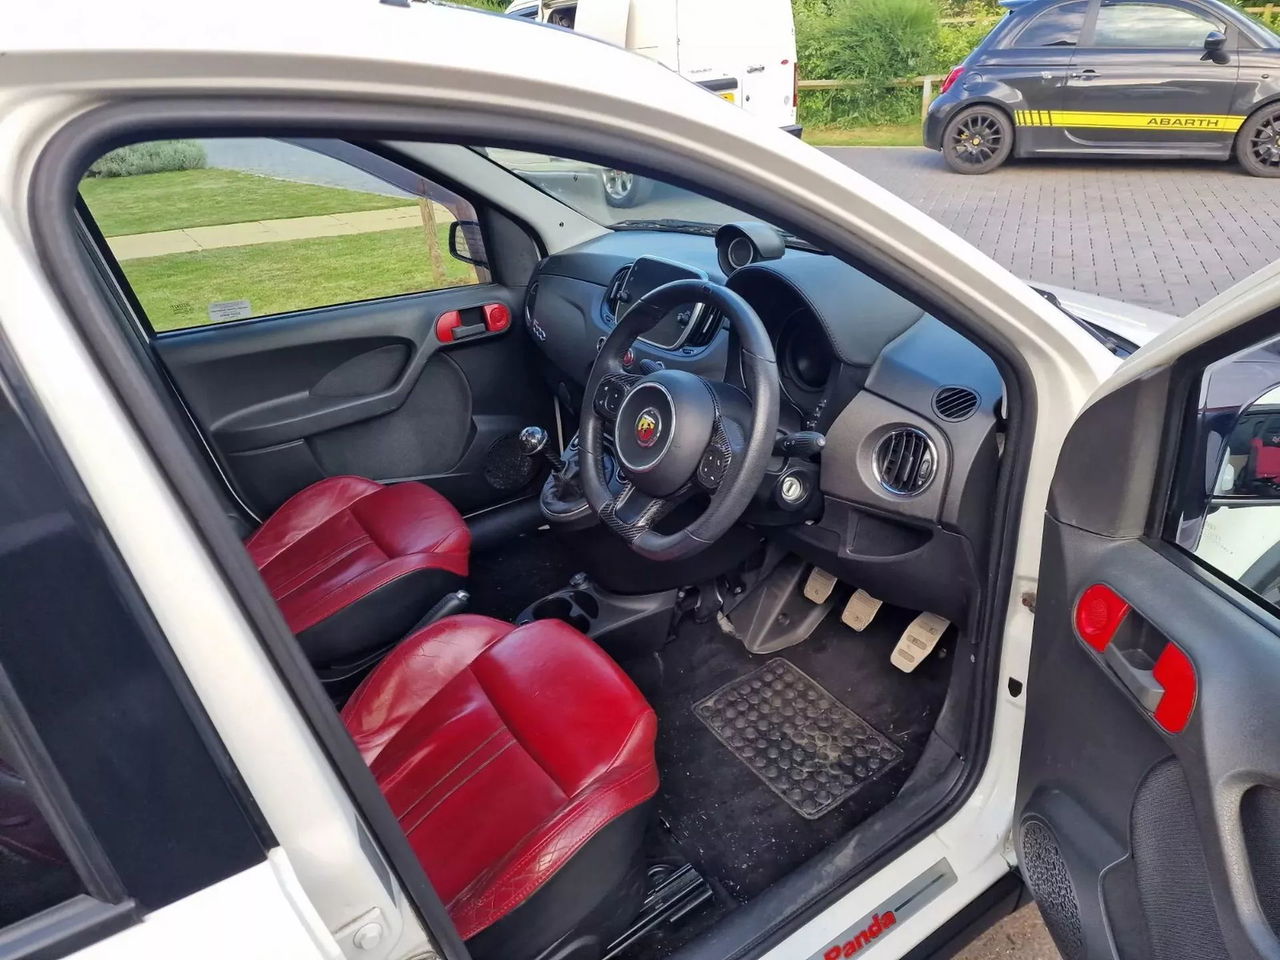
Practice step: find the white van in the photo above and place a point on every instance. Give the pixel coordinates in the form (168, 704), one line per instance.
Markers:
(741, 50)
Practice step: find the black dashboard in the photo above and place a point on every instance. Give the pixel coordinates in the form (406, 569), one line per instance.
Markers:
(911, 410)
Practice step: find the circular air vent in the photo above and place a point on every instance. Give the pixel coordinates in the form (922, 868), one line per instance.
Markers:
(955, 403)
(905, 461)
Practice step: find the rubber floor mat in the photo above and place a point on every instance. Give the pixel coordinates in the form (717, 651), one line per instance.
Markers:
(808, 747)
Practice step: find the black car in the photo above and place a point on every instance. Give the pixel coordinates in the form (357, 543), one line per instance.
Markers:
(1116, 78)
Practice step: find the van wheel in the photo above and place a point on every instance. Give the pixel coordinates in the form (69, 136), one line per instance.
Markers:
(623, 189)
(977, 140)
(1258, 143)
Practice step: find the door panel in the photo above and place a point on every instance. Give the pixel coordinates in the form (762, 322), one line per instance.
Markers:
(1148, 807)
(1152, 99)
(368, 389)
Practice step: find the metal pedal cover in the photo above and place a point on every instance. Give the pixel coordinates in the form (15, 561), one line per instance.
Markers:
(807, 746)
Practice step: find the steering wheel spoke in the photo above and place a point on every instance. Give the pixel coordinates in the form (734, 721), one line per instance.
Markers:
(632, 513)
(718, 457)
(610, 393)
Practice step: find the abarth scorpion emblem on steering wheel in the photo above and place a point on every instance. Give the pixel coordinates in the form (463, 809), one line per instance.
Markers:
(647, 425)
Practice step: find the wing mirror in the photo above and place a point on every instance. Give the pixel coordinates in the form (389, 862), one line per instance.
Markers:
(1215, 47)
(466, 243)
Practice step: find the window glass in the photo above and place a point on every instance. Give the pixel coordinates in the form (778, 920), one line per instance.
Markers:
(34, 872)
(210, 231)
(1151, 25)
(1057, 27)
(1228, 496)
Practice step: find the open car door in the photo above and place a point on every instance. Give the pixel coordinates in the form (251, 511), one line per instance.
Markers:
(1148, 807)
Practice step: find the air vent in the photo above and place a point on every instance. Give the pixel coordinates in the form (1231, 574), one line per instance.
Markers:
(613, 295)
(955, 403)
(905, 461)
(709, 324)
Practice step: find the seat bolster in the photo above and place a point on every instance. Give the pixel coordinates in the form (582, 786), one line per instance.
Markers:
(509, 883)
(413, 673)
(306, 510)
(412, 519)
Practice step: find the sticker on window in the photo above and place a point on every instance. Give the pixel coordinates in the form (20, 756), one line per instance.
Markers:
(223, 310)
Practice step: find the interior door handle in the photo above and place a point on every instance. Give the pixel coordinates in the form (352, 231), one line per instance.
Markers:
(1084, 75)
(1141, 682)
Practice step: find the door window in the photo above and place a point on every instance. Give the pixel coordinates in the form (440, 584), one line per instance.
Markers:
(210, 231)
(1057, 27)
(34, 871)
(1151, 25)
(1228, 493)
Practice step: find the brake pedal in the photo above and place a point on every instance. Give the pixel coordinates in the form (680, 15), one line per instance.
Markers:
(860, 610)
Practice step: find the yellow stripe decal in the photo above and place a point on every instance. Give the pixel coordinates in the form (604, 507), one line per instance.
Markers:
(1194, 122)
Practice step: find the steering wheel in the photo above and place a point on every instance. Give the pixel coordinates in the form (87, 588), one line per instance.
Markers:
(675, 433)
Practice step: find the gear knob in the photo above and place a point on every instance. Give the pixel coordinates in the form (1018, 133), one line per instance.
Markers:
(533, 440)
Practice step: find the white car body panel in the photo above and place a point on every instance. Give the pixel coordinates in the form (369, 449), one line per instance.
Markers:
(65, 59)
(254, 915)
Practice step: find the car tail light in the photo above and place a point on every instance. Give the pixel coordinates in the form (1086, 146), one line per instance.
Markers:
(795, 84)
(952, 77)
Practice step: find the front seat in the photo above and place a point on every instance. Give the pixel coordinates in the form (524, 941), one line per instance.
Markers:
(354, 564)
(519, 762)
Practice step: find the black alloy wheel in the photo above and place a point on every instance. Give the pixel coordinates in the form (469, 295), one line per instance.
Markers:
(977, 140)
(1258, 143)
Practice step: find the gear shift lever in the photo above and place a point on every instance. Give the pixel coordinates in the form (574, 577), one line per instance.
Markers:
(533, 441)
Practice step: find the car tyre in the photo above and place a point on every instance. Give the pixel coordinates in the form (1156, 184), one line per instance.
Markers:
(1258, 143)
(624, 189)
(977, 140)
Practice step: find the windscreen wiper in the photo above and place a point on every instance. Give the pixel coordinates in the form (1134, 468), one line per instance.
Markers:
(670, 225)
(673, 225)
(1117, 345)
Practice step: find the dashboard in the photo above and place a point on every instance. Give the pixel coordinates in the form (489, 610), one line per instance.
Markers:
(912, 411)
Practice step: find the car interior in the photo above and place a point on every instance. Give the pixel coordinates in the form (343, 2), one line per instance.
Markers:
(645, 570)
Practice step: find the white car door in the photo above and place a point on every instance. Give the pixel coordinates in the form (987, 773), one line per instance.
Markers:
(1148, 809)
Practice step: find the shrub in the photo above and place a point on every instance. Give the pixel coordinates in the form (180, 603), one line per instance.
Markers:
(873, 41)
(153, 157)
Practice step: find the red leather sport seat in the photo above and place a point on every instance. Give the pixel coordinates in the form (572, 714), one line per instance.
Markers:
(354, 564)
(519, 761)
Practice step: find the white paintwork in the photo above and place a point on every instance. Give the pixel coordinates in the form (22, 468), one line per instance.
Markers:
(1138, 325)
(750, 41)
(61, 59)
(250, 916)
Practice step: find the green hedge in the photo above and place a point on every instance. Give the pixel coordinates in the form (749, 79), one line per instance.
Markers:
(154, 157)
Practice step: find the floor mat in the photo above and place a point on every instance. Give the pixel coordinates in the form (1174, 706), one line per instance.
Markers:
(807, 747)
(507, 579)
(726, 821)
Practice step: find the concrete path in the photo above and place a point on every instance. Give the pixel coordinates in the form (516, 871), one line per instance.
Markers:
(268, 231)
(1164, 235)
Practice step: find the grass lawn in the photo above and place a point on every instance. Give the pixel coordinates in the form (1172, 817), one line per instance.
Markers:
(201, 198)
(891, 135)
(176, 289)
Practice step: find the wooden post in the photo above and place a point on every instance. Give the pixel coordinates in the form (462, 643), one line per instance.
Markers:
(433, 240)
(926, 97)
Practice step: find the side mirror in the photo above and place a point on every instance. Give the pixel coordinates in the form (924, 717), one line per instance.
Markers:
(464, 237)
(1215, 47)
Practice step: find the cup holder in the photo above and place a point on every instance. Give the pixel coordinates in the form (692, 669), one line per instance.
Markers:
(576, 609)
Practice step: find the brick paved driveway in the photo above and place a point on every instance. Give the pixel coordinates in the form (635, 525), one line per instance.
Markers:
(1167, 236)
